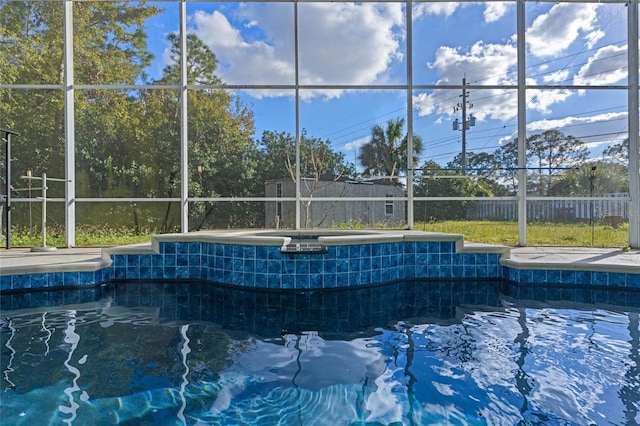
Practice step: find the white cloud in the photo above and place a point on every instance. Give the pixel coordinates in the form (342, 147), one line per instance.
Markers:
(340, 43)
(496, 10)
(356, 144)
(445, 9)
(542, 125)
(241, 60)
(607, 66)
(485, 63)
(556, 76)
(490, 64)
(346, 43)
(552, 33)
(542, 100)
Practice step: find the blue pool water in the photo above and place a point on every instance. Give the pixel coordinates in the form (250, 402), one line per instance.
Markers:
(410, 353)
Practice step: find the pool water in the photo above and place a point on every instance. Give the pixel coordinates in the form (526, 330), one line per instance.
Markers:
(409, 353)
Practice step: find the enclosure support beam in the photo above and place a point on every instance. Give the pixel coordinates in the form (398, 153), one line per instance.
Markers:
(69, 129)
(634, 161)
(297, 82)
(522, 127)
(184, 145)
(410, 166)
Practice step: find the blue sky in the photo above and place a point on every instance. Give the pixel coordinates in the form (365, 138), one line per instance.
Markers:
(365, 44)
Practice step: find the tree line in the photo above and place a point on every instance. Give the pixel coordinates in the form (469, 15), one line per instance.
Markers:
(127, 141)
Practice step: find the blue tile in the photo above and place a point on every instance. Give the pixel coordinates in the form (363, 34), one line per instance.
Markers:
(194, 260)
(421, 259)
(583, 277)
(194, 248)
(262, 252)
(169, 272)
(168, 248)
(5, 282)
(157, 273)
(248, 279)
(145, 272)
(182, 259)
(274, 280)
(526, 276)
(261, 280)
(482, 271)
(302, 267)
(567, 277)
(249, 252)
(447, 247)
(132, 273)
(342, 266)
(249, 266)
(87, 277)
(316, 267)
(21, 282)
(354, 278)
(539, 276)
(170, 260)
(315, 281)
(330, 280)
(342, 280)
(39, 281)
(365, 277)
(617, 280)
(365, 264)
(633, 280)
(470, 271)
(261, 265)
(554, 277)
(145, 260)
(471, 259)
(455, 271)
(288, 281)
(71, 278)
(55, 279)
(600, 278)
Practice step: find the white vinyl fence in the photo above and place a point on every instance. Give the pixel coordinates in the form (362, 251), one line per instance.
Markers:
(554, 210)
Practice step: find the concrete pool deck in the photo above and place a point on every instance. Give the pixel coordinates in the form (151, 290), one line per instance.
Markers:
(23, 261)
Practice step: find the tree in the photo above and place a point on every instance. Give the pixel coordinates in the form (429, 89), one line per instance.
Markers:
(618, 152)
(319, 164)
(553, 152)
(594, 177)
(386, 152)
(109, 47)
(222, 154)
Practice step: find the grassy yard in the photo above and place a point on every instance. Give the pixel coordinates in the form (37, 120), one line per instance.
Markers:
(506, 233)
(538, 234)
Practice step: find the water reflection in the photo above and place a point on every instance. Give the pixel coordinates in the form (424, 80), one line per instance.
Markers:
(411, 353)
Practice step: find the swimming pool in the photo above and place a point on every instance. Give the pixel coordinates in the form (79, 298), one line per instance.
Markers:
(411, 352)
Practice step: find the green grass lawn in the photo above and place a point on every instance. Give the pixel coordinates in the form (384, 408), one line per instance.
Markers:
(506, 233)
(538, 234)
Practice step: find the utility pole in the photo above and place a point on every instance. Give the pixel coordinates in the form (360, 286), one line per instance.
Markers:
(465, 124)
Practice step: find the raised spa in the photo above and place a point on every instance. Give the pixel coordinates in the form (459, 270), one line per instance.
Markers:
(307, 259)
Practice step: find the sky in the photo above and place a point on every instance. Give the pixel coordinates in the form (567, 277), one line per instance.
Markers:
(344, 44)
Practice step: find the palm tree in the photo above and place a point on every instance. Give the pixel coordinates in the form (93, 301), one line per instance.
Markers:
(386, 152)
